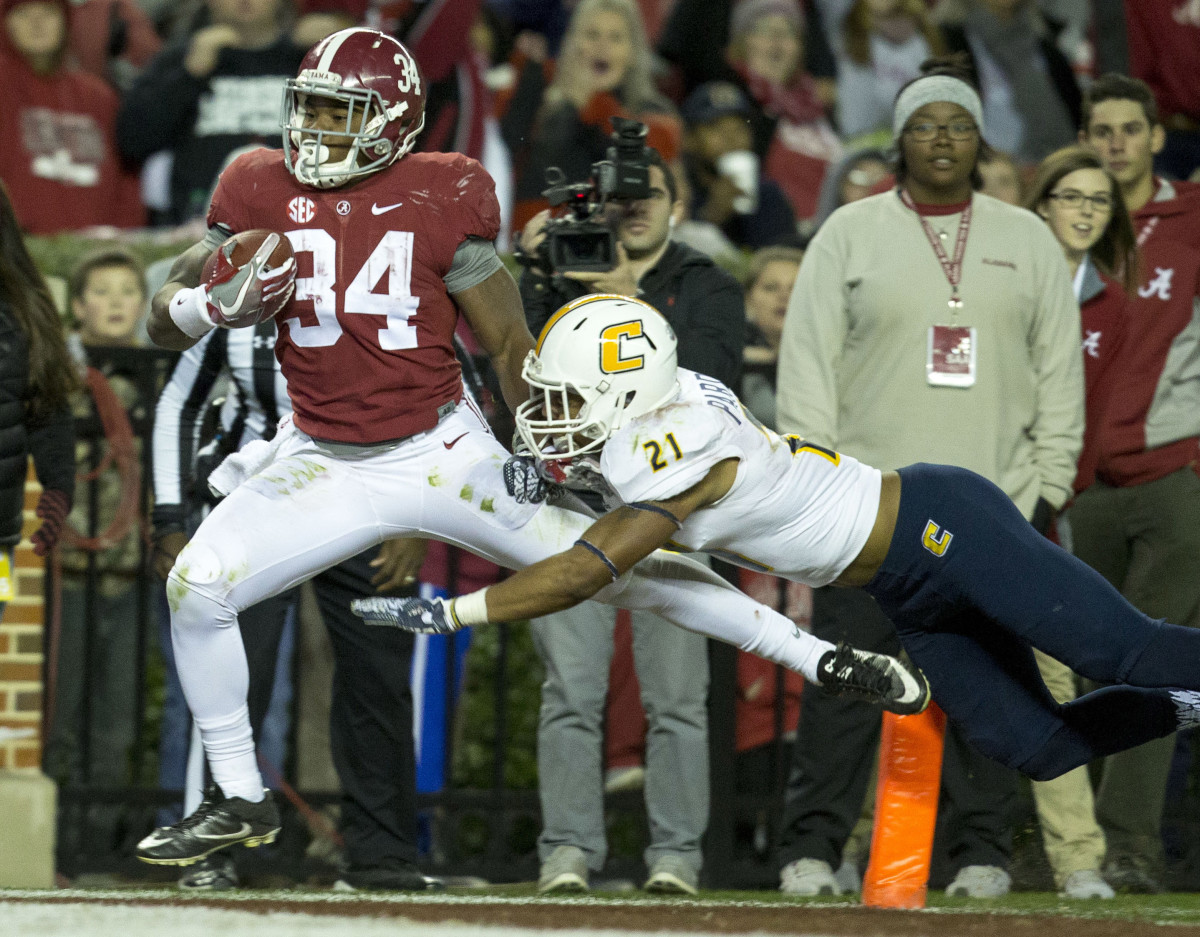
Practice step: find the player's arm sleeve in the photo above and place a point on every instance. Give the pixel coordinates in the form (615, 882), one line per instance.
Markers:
(157, 107)
(814, 332)
(1058, 371)
(714, 337)
(474, 261)
(176, 426)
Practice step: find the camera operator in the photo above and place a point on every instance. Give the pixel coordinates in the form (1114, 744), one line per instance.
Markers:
(702, 302)
(704, 306)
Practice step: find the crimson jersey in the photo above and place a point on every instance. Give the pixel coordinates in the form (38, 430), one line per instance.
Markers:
(366, 343)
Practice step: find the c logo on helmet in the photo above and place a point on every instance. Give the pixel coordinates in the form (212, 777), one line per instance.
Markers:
(612, 360)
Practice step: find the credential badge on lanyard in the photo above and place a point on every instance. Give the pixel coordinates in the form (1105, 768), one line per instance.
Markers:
(951, 348)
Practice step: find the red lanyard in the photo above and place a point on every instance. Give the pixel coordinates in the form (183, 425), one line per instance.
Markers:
(952, 268)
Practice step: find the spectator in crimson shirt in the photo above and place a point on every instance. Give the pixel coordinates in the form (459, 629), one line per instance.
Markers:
(112, 39)
(1164, 51)
(59, 160)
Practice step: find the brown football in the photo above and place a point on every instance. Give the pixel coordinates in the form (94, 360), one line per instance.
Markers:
(245, 243)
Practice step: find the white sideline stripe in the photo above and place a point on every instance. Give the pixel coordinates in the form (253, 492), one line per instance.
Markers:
(59, 919)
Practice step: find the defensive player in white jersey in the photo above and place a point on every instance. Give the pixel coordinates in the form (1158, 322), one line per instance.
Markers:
(390, 248)
(969, 584)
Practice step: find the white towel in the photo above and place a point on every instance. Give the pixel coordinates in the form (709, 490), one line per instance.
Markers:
(248, 461)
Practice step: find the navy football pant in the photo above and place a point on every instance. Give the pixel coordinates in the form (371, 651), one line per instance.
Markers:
(971, 586)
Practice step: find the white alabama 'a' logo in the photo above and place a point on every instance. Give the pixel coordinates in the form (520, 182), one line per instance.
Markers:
(301, 209)
(1160, 285)
(1091, 344)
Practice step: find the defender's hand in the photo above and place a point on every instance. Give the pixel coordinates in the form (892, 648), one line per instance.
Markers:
(524, 484)
(241, 296)
(423, 616)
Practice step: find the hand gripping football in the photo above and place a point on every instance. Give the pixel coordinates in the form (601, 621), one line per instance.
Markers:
(249, 278)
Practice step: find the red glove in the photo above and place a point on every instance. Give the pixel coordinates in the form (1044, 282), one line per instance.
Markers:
(52, 508)
(239, 297)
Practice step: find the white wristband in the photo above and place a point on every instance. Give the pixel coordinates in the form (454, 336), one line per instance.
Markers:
(470, 609)
(189, 312)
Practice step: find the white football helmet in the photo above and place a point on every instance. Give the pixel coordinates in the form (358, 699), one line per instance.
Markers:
(378, 80)
(616, 355)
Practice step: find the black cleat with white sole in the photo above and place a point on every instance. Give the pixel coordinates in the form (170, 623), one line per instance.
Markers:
(897, 685)
(218, 823)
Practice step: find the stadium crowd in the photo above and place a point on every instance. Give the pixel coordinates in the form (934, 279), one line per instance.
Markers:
(770, 119)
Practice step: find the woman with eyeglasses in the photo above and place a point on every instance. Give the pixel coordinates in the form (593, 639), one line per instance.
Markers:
(927, 323)
(1083, 206)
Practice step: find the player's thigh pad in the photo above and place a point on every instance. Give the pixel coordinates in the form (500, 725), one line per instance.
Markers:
(455, 492)
(302, 513)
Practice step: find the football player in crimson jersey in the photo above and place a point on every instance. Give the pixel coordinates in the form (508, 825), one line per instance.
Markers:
(383, 441)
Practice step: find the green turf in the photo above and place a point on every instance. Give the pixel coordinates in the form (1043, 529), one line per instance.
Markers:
(1175, 908)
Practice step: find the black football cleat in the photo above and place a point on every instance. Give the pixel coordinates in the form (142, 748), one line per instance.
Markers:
(218, 823)
(897, 685)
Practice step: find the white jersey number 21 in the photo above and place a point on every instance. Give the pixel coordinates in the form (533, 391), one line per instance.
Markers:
(392, 255)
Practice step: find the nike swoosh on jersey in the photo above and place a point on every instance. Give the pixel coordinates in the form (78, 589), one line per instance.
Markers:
(450, 444)
(239, 834)
(377, 209)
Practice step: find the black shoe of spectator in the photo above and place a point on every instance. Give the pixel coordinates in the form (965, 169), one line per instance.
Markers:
(392, 878)
(1133, 875)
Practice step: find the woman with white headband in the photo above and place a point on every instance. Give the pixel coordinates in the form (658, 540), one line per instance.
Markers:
(927, 323)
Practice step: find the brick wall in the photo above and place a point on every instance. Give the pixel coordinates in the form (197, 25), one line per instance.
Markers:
(21, 654)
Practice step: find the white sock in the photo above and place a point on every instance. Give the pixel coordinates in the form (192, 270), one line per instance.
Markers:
(229, 745)
(692, 596)
(1187, 707)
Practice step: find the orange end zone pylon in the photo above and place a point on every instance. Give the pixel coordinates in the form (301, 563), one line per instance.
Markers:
(906, 804)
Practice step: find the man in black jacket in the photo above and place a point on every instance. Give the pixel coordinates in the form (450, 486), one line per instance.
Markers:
(211, 93)
(704, 306)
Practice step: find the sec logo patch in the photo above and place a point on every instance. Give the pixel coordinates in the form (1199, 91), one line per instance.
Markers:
(301, 209)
